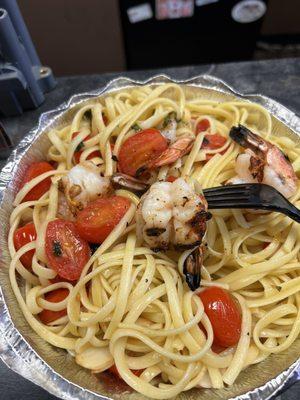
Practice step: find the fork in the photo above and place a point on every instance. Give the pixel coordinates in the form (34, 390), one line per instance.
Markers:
(250, 195)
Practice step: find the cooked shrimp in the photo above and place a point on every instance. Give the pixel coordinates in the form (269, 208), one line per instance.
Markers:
(173, 214)
(262, 162)
(83, 184)
(123, 181)
(176, 150)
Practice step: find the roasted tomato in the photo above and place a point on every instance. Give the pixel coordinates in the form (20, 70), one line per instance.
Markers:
(224, 315)
(202, 126)
(59, 279)
(96, 221)
(34, 170)
(47, 316)
(213, 142)
(139, 149)
(22, 236)
(66, 250)
(113, 370)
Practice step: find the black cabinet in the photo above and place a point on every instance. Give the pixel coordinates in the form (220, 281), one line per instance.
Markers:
(216, 32)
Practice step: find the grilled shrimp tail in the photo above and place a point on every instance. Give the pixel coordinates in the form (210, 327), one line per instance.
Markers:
(247, 139)
(192, 268)
(176, 150)
(123, 181)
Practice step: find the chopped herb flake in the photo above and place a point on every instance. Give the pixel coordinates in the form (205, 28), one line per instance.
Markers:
(169, 118)
(136, 127)
(79, 146)
(56, 248)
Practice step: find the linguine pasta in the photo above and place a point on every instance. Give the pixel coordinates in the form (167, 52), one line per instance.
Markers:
(131, 306)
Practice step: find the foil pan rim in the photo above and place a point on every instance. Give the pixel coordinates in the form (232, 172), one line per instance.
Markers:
(15, 351)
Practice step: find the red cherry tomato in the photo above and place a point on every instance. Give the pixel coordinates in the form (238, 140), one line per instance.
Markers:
(78, 153)
(213, 142)
(53, 164)
(113, 370)
(22, 236)
(94, 154)
(223, 314)
(202, 126)
(66, 251)
(34, 170)
(47, 316)
(95, 222)
(139, 149)
(217, 348)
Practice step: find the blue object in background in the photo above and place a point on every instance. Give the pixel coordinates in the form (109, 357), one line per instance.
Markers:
(23, 80)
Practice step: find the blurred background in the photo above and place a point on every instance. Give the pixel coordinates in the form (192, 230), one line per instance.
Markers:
(95, 36)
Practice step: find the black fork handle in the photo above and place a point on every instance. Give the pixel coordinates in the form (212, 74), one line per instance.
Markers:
(290, 211)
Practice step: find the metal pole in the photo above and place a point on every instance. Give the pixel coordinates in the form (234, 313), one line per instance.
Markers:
(16, 53)
(11, 6)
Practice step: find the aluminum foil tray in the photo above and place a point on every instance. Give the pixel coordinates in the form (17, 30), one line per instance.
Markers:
(54, 369)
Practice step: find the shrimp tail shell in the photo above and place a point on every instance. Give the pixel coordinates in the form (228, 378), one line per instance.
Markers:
(247, 139)
(192, 268)
(123, 181)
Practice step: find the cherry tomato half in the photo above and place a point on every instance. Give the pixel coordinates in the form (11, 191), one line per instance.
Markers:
(96, 221)
(34, 170)
(113, 370)
(224, 315)
(47, 316)
(59, 279)
(213, 142)
(139, 149)
(202, 126)
(22, 236)
(66, 251)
